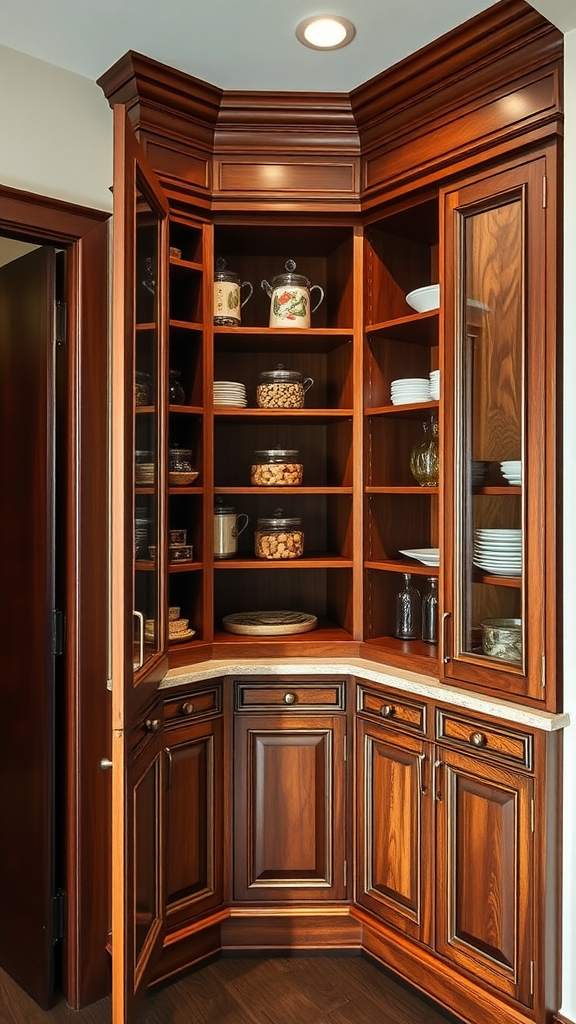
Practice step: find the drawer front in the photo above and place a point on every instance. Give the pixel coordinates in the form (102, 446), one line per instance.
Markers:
(397, 712)
(500, 743)
(291, 696)
(192, 706)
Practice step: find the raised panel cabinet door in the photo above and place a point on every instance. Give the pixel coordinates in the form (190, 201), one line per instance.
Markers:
(395, 856)
(289, 822)
(484, 872)
(499, 427)
(195, 821)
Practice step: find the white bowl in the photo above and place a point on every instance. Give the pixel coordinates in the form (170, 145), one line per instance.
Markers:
(424, 299)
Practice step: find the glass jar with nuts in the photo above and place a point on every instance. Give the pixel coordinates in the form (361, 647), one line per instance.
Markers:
(276, 467)
(282, 389)
(278, 539)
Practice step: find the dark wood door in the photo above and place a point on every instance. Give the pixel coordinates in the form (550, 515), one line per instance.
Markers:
(138, 637)
(395, 855)
(195, 821)
(484, 923)
(27, 528)
(289, 809)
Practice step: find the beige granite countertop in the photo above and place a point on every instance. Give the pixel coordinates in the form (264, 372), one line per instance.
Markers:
(400, 679)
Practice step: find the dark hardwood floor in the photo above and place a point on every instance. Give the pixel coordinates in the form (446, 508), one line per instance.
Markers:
(255, 990)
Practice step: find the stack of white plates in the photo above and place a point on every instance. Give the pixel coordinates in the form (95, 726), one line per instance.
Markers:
(410, 389)
(229, 392)
(435, 385)
(498, 552)
(512, 471)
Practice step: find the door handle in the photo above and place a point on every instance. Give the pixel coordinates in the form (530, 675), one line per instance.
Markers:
(140, 662)
(444, 657)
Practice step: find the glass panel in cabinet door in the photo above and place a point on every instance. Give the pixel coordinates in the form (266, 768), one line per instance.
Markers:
(147, 468)
(490, 425)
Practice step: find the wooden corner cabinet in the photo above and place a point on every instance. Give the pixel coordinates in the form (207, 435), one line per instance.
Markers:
(410, 813)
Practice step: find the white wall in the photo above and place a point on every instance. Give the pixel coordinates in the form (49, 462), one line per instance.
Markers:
(569, 897)
(55, 132)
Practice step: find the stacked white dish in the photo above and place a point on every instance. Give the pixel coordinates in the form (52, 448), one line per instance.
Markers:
(498, 552)
(407, 390)
(229, 392)
(434, 385)
(512, 471)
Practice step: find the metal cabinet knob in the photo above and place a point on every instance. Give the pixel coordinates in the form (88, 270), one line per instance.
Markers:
(289, 698)
(187, 708)
(152, 724)
(105, 763)
(478, 739)
(387, 710)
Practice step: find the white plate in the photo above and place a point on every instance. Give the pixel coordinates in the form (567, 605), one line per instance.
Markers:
(428, 556)
(498, 570)
(411, 400)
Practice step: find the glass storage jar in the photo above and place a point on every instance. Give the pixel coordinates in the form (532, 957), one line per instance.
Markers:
(142, 388)
(278, 538)
(276, 467)
(176, 391)
(180, 459)
(282, 389)
(408, 611)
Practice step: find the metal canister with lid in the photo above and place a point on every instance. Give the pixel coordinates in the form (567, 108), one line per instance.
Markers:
(276, 467)
(278, 538)
(282, 389)
(228, 525)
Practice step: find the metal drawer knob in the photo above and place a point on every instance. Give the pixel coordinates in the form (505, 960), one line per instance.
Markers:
(187, 708)
(152, 724)
(387, 710)
(478, 739)
(289, 698)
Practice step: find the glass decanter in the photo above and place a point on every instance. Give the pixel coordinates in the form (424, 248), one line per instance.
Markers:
(430, 612)
(408, 611)
(424, 456)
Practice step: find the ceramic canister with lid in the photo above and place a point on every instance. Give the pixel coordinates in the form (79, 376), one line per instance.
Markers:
(228, 525)
(289, 296)
(282, 389)
(228, 300)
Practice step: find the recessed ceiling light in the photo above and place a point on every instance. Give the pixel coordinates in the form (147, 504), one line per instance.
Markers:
(326, 32)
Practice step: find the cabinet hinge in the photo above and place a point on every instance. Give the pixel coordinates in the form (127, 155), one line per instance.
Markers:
(532, 971)
(543, 672)
(544, 192)
(57, 632)
(345, 873)
(61, 320)
(58, 915)
(345, 750)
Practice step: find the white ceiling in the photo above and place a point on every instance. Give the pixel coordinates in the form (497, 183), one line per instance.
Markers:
(239, 44)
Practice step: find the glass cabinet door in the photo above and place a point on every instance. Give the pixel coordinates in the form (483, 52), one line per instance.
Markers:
(495, 421)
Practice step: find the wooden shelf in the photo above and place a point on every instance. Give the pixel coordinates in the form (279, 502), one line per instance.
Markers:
(305, 562)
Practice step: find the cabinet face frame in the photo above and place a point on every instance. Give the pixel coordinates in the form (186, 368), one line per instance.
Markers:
(520, 182)
(137, 760)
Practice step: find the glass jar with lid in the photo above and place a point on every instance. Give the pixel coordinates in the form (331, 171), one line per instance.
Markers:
(176, 393)
(277, 538)
(282, 389)
(276, 467)
(180, 459)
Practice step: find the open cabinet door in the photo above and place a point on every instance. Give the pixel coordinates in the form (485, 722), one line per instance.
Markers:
(138, 584)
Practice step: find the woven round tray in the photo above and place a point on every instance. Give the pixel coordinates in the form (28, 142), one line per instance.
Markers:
(269, 623)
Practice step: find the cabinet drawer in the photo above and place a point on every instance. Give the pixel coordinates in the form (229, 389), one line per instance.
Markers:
(502, 743)
(194, 705)
(292, 696)
(396, 712)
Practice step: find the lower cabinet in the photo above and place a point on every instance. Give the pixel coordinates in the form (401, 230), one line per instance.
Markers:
(454, 817)
(194, 855)
(451, 842)
(289, 792)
